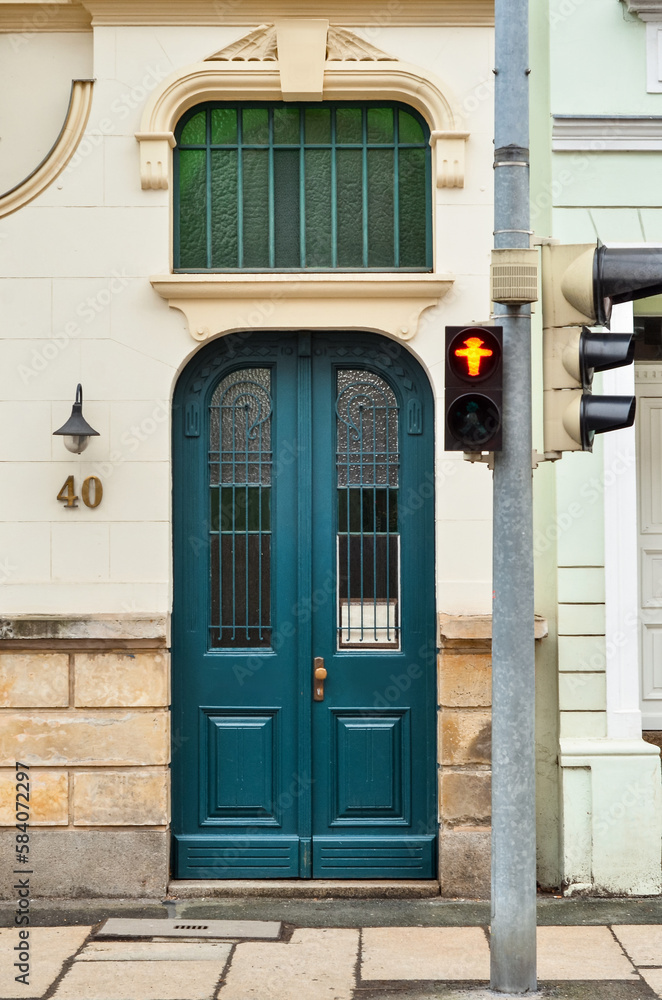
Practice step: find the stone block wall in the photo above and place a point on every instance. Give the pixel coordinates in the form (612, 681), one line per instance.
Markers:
(465, 729)
(465, 753)
(91, 719)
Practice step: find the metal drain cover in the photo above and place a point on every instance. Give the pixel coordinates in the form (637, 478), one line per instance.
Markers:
(129, 927)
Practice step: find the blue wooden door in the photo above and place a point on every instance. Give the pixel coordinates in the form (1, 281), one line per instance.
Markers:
(304, 697)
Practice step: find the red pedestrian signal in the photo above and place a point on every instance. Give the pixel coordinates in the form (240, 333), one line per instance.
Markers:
(473, 388)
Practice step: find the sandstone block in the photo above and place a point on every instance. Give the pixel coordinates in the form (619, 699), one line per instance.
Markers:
(121, 798)
(122, 680)
(88, 864)
(465, 679)
(96, 738)
(465, 863)
(466, 798)
(49, 798)
(34, 680)
(466, 737)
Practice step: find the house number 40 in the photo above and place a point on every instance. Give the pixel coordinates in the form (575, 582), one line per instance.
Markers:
(91, 492)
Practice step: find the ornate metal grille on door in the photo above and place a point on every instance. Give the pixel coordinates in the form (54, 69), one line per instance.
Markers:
(368, 540)
(240, 480)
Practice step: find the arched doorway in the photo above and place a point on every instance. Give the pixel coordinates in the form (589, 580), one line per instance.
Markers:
(304, 694)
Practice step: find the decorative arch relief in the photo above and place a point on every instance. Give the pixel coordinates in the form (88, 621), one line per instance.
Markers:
(60, 153)
(299, 59)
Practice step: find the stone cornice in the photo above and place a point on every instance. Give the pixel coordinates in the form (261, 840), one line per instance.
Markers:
(389, 303)
(601, 133)
(57, 15)
(349, 13)
(647, 10)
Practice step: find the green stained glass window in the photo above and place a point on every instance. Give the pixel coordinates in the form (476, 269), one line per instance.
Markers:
(302, 187)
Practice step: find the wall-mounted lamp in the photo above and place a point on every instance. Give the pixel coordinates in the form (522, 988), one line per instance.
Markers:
(77, 432)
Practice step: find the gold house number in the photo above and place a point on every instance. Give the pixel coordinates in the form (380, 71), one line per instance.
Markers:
(92, 492)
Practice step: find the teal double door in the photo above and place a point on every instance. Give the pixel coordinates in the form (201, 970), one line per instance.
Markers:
(304, 698)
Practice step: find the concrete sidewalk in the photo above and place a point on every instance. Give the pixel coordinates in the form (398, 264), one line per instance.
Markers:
(587, 960)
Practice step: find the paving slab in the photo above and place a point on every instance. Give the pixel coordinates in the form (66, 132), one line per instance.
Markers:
(140, 981)
(313, 965)
(123, 927)
(49, 948)
(653, 977)
(642, 942)
(581, 953)
(424, 953)
(156, 951)
(613, 990)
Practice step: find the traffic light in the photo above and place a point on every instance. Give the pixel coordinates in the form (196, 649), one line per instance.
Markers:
(473, 388)
(579, 286)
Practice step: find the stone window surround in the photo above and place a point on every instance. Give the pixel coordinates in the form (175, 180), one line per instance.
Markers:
(650, 11)
(384, 303)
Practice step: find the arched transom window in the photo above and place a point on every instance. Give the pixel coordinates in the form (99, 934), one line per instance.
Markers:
(292, 187)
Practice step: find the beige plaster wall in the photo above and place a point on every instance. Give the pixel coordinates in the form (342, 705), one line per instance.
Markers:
(36, 70)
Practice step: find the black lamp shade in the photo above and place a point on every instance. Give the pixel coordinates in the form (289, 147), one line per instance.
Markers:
(77, 426)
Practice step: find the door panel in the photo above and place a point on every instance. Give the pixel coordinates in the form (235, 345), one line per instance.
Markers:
(303, 529)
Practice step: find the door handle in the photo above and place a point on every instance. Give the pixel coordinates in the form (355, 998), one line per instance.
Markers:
(319, 675)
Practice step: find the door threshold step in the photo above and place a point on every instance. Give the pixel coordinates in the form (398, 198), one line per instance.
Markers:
(304, 888)
(135, 927)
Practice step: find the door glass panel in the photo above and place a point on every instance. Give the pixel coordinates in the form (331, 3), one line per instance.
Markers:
(368, 541)
(240, 510)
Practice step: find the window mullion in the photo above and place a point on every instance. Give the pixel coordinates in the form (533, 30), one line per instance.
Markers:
(240, 187)
(334, 191)
(208, 192)
(364, 118)
(271, 195)
(396, 188)
(302, 191)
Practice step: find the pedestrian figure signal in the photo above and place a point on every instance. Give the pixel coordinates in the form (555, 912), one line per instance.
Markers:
(473, 388)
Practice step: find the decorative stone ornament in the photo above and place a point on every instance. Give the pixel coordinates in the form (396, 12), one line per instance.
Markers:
(59, 155)
(267, 65)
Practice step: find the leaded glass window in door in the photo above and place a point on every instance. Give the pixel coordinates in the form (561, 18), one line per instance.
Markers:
(291, 187)
(240, 485)
(368, 540)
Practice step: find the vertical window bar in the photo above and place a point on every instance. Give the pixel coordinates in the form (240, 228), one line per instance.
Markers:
(234, 524)
(374, 517)
(271, 195)
(387, 457)
(240, 186)
(364, 164)
(302, 191)
(348, 433)
(396, 188)
(208, 184)
(334, 192)
(361, 480)
(259, 533)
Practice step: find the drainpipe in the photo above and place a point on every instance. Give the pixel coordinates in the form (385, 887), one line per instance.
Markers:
(513, 941)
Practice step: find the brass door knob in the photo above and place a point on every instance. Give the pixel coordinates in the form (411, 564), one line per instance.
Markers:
(319, 676)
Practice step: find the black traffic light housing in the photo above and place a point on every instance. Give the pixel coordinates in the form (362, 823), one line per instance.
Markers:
(580, 285)
(474, 387)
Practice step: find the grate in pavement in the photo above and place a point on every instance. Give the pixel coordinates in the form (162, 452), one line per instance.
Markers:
(127, 927)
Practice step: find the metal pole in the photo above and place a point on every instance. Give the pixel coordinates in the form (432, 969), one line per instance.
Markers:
(513, 948)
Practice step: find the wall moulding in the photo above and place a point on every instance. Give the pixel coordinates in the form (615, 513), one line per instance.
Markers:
(348, 71)
(350, 13)
(381, 303)
(61, 152)
(32, 17)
